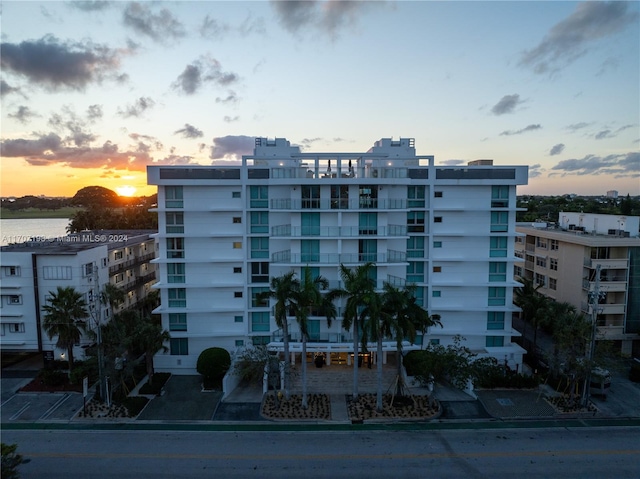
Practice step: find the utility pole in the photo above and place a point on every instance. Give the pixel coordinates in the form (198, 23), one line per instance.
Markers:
(594, 297)
(96, 313)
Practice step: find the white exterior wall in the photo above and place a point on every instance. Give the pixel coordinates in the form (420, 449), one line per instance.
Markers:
(210, 258)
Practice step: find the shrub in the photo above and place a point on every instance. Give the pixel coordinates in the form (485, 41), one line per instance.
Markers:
(88, 368)
(135, 404)
(159, 380)
(52, 378)
(10, 461)
(213, 363)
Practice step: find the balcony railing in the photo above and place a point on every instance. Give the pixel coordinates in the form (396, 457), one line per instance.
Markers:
(132, 262)
(338, 231)
(287, 257)
(335, 204)
(606, 263)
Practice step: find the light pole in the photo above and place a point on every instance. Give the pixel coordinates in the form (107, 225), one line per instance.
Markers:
(594, 298)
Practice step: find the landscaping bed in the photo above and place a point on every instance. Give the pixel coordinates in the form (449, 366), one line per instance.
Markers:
(406, 407)
(319, 407)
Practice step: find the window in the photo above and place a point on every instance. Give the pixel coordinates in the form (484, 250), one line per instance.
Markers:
(437, 219)
(237, 219)
(177, 297)
(497, 296)
(260, 247)
(517, 271)
(497, 271)
(16, 327)
(437, 269)
(368, 250)
(179, 346)
(519, 239)
(541, 242)
(437, 244)
(495, 320)
(237, 245)
(518, 254)
(310, 196)
(235, 194)
(238, 319)
(499, 221)
(553, 264)
(415, 221)
(553, 284)
(175, 248)
(435, 342)
(259, 221)
(237, 294)
(261, 340)
(498, 246)
(118, 255)
(542, 262)
(173, 197)
(255, 302)
(368, 196)
(175, 222)
(259, 196)
(175, 272)
(237, 269)
(57, 272)
(104, 262)
(239, 342)
(119, 278)
(540, 279)
(310, 224)
(368, 223)
(494, 341)
(260, 272)
(415, 272)
(310, 251)
(415, 247)
(12, 270)
(500, 196)
(260, 321)
(15, 299)
(177, 322)
(415, 197)
(436, 293)
(87, 269)
(339, 197)
(437, 194)
(553, 244)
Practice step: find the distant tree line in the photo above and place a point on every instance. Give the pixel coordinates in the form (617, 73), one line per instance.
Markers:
(547, 208)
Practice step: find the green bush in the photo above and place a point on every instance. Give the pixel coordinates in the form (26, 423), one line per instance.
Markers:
(159, 380)
(10, 461)
(52, 378)
(135, 404)
(213, 363)
(88, 368)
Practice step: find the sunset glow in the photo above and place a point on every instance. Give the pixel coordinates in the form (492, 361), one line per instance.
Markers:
(125, 190)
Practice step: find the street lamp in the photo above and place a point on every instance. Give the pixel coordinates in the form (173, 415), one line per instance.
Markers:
(594, 298)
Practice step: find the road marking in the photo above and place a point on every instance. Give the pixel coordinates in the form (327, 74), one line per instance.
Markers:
(20, 411)
(57, 404)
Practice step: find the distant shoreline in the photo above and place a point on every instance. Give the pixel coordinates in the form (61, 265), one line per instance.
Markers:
(35, 213)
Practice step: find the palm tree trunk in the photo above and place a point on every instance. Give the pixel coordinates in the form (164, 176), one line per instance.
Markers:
(355, 359)
(379, 371)
(304, 372)
(70, 358)
(287, 357)
(400, 381)
(149, 361)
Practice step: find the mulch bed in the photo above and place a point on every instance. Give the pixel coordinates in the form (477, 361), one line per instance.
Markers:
(38, 386)
(319, 407)
(563, 404)
(407, 407)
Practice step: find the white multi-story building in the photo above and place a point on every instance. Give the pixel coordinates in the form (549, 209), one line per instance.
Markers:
(564, 259)
(224, 231)
(86, 261)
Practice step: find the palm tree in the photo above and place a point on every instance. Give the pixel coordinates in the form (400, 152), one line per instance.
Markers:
(148, 336)
(309, 300)
(112, 296)
(375, 327)
(282, 290)
(533, 304)
(358, 285)
(65, 317)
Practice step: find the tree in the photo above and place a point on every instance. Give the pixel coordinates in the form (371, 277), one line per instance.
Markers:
(112, 296)
(149, 336)
(96, 196)
(10, 461)
(308, 300)
(65, 317)
(358, 286)
(626, 206)
(213, 364)
(282, 290)
(534, 306)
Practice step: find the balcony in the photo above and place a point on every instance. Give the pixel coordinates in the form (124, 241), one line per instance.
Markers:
(324, 204)
(606, 263)
(286, 257)
(604, 308)
(337, 231)
(132, 262)
(605, 286)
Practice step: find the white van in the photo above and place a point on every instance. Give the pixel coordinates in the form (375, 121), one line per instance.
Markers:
(600, 382)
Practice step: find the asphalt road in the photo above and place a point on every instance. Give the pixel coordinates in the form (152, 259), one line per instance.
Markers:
(532, 453)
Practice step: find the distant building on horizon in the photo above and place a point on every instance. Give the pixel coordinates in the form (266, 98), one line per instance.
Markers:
(225, 231)
(612, 194)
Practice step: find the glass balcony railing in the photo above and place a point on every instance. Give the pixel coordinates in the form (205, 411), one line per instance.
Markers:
(287, 257)
(338, 231)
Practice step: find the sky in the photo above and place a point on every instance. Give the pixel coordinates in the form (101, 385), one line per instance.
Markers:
(93, 91)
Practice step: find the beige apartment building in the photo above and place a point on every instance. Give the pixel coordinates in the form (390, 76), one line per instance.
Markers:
(564, 259)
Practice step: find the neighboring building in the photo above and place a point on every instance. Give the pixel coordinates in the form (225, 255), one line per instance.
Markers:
(224, 231)
(85, 261)
(612, 194)
(564, 259)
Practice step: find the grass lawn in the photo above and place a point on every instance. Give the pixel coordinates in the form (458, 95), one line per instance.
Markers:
(64, 212)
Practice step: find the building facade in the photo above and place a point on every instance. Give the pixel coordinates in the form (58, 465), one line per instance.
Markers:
(564, 259)
(224, 231)
(86, 261)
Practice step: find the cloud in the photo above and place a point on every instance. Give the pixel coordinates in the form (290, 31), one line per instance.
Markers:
(230, 119)
(203, 70)
(161, 27)
(601, 135)
(523, 130)
(570, 39)
(506, 104)
(620, 165)
(57, 65)
(212, 29)
(23, 114)
(90, 6)
(175, 160)
(535, 170)
(50, 149)
(94, 112)
(557, 149)
(577, 126)
(138, 108)
(189, 131)
(230, 98)
(452, 162)
(229, 146)
(74, 127)
(6, 89)
(329, 16)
